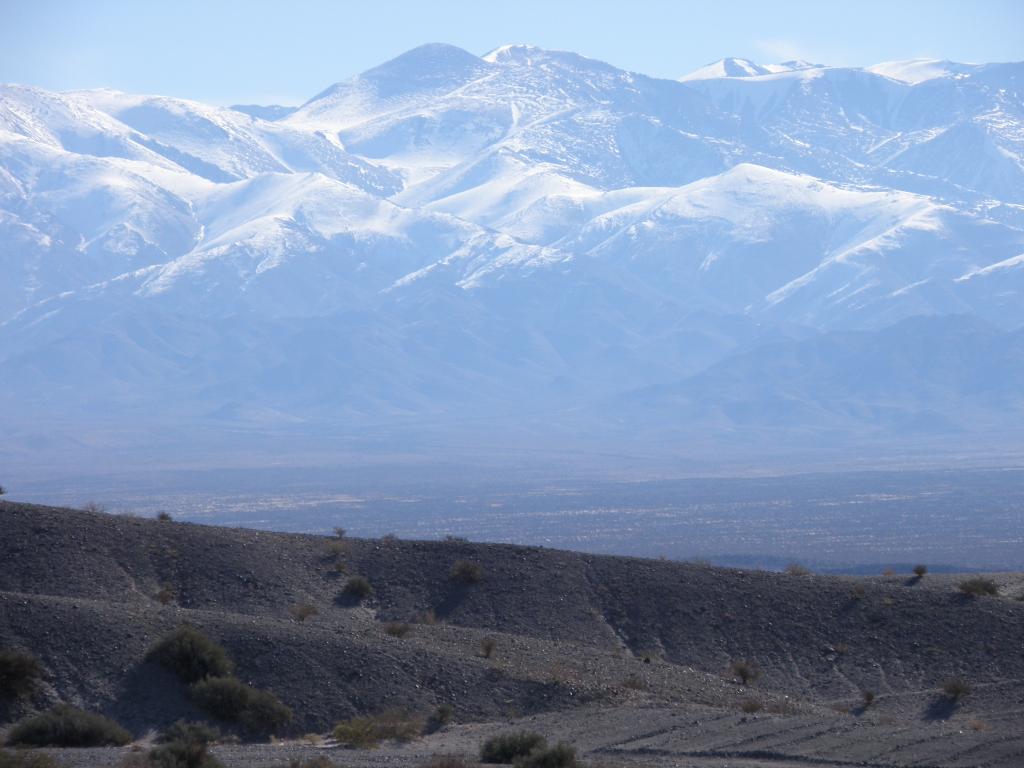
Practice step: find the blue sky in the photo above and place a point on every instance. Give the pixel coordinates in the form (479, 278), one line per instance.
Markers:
(230, 51)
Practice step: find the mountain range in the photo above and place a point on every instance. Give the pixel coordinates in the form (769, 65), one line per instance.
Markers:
(527, 247)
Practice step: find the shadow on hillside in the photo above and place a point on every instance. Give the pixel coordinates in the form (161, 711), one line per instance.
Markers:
(941, 708)
(457, 594)
(158, 698)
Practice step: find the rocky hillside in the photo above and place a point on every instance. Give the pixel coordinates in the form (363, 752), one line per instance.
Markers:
(90, 593)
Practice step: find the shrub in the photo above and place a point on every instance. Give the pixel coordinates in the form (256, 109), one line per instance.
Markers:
(507, 747)
(979, 586)
(191, 655)
(559, 756)
(192, 732)
(488, 646)
(397, 629)
(26, 759)
(357, 588)
(92, 506)
(303, 611)
(185, 745)
(164, 517)
(956, 688)
(466, 572)
(65, 726)
(20, 673)
(426, 617)
(745, 670)
(795, 569)
(867, 698)
(920, 571)
(440, 718)
(340, 532)
(165, 596)
(227, 698)
(750, 706)
(3, 490)
(369, 732)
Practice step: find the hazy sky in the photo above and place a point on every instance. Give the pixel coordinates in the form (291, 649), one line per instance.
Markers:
(232, 51)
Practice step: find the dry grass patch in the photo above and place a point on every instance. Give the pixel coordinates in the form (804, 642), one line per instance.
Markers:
(370, 731)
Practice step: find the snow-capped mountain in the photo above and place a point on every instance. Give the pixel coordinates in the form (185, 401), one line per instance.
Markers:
(450, 237)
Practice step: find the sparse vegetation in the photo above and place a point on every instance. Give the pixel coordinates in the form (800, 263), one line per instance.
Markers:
(979, 586)
(397, 629)
(21, 758)
(487, 646)
(795, 569)
(20, 673)
(3, 491)
(66, 726)
(92, 506)
(956, 688)
(977, 725)
(426, 617)
(561, 755)
(369, 732)
(746, 671)
(509, 747)
(340, 532)
(467, 572)
(357, 588)
(185, 745)
(303, 611)
(165, 596)
(440, 718)
(750, 706)
(164, 517)
(867, 698)
(227, 698)
(920, 571)
(191, 655)
(858, 592)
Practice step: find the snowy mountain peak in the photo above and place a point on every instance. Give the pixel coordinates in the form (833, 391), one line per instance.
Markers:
(916, 71)
(732, 67)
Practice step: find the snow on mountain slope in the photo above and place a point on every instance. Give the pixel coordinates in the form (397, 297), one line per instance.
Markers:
(529, 231)
(916, 71)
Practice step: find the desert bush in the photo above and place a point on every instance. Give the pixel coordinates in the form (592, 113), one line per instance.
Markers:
(920, 571)
(65, 726)
(795, 569)
(21, 758)
(750, 706)
(368, 732)
(979, 586)
(357, 588)
(340, 532)
(978, 725)
(426, 617)
(185, 745)
(466, 572)
(440, 718)
(488, 646)
(191, 655)
(858, 592)
(92, 506)
(227, 698)
(3, 490)
(559, 756)
(397, 628)
(165, 596)
(340, 567)
(186, 731)
(867, 698)
(164, 517)
(508, 747)
(746, 671)
(955, 688)
(20, 673)
(303, 611)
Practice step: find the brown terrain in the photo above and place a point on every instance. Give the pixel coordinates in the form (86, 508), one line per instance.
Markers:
(627, 659)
